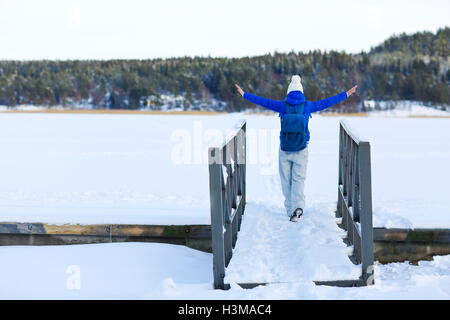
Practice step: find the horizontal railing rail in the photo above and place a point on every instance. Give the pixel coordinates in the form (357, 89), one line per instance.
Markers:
(355, 198)
(227, 167)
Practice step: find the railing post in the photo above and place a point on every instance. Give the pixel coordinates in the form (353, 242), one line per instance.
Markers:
(366, 211)
(227, 200)
(215, 196)
(355, 197)
(339, 204)
(228, 203)
(244, 164)
(240, 167)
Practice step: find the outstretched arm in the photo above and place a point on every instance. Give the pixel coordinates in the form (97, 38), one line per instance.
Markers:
(273, 105)
(331, 101)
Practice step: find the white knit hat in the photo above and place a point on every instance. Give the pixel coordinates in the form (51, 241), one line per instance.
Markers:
(296, 84)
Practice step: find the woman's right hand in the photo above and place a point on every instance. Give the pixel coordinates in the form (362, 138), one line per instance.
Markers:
(239, 89)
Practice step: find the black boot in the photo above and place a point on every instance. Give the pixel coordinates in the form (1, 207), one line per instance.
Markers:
(296, 214)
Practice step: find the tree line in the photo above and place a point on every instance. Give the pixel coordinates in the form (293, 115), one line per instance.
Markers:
(404, 67)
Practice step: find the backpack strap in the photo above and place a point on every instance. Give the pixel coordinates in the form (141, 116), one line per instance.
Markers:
(298, 109)
(289, 109)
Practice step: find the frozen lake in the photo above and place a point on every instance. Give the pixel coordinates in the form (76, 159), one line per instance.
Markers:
(152, 169)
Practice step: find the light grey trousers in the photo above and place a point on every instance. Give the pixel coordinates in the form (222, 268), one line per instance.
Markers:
(292, 167)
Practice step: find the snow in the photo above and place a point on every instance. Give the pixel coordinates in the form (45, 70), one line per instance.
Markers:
(163, 102)
(404, 109)
(113, 271)
(66, 168)
(33, 108)
(409, 171)
(23, 108)
(272, 249)
(162, 271)
(152, 169)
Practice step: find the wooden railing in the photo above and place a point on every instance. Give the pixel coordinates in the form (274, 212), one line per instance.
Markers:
(355, 198)
(227, 197)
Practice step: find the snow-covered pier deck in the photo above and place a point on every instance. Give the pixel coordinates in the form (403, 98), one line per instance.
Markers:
(271, 249)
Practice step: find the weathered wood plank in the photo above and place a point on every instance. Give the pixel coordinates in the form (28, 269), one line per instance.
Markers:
(334, 283)
(397, 245)
(162, 231)
(415, 235)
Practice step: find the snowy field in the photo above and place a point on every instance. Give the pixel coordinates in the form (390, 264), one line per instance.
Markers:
(152, 169)
(161, 271)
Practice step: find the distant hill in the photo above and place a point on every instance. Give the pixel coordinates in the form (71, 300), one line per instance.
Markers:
(420, 44)
(404, 67)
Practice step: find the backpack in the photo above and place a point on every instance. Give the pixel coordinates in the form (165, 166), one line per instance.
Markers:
(293, 128)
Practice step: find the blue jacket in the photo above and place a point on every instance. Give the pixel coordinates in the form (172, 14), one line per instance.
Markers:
(294, 98)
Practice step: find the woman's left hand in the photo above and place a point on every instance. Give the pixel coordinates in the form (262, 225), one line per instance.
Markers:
(239, 89)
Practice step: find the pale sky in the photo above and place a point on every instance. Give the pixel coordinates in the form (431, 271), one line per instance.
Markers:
(105, 29)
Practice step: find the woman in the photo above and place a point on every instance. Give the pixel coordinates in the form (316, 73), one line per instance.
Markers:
(295, 112)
